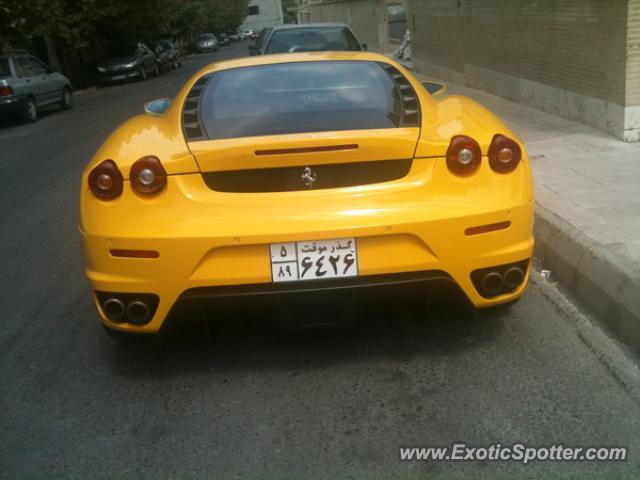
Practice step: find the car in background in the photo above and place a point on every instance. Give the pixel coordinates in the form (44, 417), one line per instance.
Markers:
(312, 37)
(260, 37)
(223, 39)
(129, 61)
(304, 177)
(207, 42)
(164, 58)
(247, 35)
(27, 85)
(174, 51)
(233, 35)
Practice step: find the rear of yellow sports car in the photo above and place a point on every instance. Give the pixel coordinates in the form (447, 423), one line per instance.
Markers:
(299, 173)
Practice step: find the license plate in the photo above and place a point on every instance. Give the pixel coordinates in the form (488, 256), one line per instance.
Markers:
(314, 260)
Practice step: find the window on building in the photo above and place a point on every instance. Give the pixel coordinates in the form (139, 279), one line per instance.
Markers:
(254, 10)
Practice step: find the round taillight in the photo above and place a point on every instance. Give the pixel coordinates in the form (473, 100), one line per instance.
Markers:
(105, 180)
(147, 176)
(504, 154)
(463, 155)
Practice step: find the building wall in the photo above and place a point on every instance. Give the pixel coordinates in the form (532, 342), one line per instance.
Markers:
(632, 98)
(270, 14)
(567, 57)
(367, 19)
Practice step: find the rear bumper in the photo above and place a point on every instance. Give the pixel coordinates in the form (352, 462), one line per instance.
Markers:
(12, 105)
(211, 242)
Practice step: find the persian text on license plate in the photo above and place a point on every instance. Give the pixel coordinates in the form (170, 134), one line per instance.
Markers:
(314, 260)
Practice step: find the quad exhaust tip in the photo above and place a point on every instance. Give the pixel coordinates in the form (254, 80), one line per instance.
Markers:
(513, 278)
(138, 312)
(113, 309)
(493, 283)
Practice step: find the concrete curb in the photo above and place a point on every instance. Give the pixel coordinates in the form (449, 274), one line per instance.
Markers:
(591, 273)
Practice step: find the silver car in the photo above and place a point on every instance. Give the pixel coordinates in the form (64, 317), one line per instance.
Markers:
(27, 85)
(207, 42)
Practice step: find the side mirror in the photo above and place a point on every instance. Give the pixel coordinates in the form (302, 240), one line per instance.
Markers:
(365, 47)
(434, 88)
(157, 107)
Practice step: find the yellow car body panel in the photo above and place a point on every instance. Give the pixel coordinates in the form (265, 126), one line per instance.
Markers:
(209, 238)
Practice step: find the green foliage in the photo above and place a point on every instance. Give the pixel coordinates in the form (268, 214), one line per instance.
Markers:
(78, 23)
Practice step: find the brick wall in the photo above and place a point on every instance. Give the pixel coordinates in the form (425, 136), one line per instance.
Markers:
(568, 57)
(633, 54)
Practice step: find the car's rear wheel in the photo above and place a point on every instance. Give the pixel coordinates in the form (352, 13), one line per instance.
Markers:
(30, 113)
(67, 99)
(156, 70)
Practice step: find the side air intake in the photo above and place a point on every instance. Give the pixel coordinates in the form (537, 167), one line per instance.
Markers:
(410, 116)
(190, 117)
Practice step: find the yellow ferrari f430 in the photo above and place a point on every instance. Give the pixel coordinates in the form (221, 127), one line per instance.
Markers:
(304, 173)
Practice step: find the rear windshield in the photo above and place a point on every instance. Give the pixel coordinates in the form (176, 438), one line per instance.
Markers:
(5, 71)
(312, 40)
(299, 97)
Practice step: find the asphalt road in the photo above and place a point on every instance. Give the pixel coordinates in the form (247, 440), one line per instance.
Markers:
(252, 402)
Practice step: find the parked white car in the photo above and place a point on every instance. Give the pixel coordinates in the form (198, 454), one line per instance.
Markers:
(247, 34)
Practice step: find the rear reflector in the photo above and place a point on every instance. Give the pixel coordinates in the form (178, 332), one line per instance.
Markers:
(328, 148)
(5, 91)
(134, 253)
(487, 228)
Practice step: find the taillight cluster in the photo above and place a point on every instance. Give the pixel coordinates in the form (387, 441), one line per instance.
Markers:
(464, 155)
(6, 91)
(147, 177)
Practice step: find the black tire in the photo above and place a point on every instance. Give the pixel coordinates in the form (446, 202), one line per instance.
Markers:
(143, 73)
(66, 102)
(30, 114)
(156, 70)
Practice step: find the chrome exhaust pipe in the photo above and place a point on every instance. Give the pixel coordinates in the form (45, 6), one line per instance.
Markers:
(113, 309)
(492, 284)
(137, 312)
(513, 278)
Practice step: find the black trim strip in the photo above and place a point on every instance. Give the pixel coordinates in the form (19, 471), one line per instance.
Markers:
(315, 285)
(290, 179)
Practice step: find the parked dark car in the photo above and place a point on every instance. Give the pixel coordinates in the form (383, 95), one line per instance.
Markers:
(312, 37)
(131, 60)
(164, 57)
(223, 40)
(255, 48)
(27, 85)
(171, 46)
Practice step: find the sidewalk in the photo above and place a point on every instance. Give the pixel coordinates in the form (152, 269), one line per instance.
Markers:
(587, 187)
